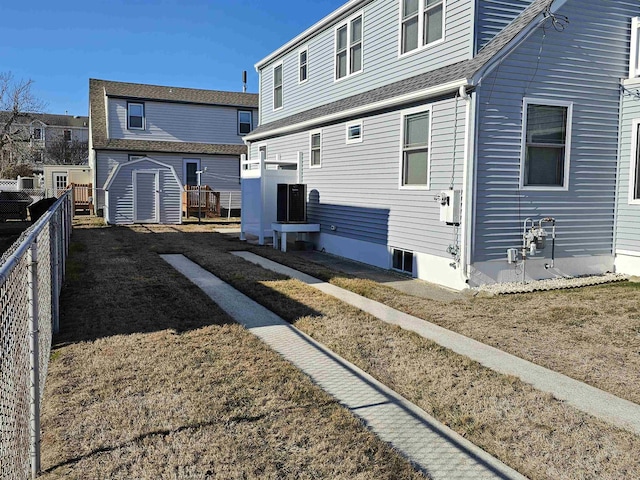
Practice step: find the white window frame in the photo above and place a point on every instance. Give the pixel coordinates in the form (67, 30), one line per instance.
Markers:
(144, 116)
(348, 127)
(421, 45)
(250, 112)
(347, 22)
(39, 130)
(403, 115)
(304, 49)
(64, 135)
(262, 148)
(404, 251)
(633, 164)
(634, 56)
(55, 176)
(567, 144)
(185, 161)
(311, 134)
(273, 93)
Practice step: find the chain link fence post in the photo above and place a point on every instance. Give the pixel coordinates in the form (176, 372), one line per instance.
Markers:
(35, 359)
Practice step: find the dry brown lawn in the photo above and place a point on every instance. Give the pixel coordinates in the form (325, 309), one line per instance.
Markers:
(532, 432)
(148, 379)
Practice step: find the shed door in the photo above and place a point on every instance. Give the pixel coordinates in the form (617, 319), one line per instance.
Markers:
(146, 196)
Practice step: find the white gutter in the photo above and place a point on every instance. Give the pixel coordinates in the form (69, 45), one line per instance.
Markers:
(370, 107)
(326, 21)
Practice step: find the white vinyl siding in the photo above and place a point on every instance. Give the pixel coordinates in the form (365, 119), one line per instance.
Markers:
(348, 42)
(178, 122)
(546, 144)
(277, 87)
(414, 161)
(421, 23)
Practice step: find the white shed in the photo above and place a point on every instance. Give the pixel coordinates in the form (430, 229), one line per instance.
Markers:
(143, 191)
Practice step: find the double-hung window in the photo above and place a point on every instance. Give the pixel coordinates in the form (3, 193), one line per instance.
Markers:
(348, 45)
(422, 23)
(245, 121)
(315, 148)
(277, 87)
(37, 134)
(634, 58)
(135, 116)
(416, 130)
(66, 134)
(303, 62)
(546, 144)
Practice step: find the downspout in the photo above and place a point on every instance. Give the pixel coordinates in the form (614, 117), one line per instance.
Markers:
(468, 186)
(618, 184)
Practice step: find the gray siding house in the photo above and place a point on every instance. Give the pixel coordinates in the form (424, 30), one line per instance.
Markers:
(462, 142)
(166, 135)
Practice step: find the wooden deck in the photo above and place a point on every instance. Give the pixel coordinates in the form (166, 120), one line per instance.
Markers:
(207, 203)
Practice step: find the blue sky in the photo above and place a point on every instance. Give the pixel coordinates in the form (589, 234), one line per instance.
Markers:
(188, 43)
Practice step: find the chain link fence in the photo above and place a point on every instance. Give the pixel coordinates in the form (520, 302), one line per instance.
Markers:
(31, 274)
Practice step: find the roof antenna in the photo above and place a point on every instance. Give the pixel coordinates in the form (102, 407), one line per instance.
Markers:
(244, 81)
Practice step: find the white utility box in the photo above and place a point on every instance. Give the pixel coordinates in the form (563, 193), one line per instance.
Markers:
(450, 203)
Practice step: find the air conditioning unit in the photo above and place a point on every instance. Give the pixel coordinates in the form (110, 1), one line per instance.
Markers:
(292, 203)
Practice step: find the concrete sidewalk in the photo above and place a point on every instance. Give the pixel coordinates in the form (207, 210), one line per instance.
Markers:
(605, 406)
(432, 447)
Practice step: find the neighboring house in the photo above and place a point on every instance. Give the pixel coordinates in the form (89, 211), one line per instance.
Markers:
(58, 177)
(165, 135)
(44, 135)
(430, 131)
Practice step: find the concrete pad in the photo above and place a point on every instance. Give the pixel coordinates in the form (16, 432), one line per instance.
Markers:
(603, 405)
(432, 447)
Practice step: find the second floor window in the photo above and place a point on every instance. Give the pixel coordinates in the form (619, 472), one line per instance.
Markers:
(634, 66)
(349, 48)
(422, 23)
(277, 87)
(302, 65)
(37, 134)
(244, 121)
(135, 116)
(67, 135)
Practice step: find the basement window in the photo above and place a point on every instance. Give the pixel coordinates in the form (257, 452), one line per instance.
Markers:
(402, 260)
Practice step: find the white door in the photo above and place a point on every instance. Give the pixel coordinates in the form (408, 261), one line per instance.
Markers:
(59, 183)
(146, 196)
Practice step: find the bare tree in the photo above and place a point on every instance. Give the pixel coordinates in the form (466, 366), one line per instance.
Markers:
(17, 107)
(67, 152)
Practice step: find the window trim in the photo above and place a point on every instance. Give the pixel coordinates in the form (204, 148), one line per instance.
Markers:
(250, 112)
(273, 90)
(185, 161)
(302, 50)
(526, 101)
(359, 139)
(403, 115)
(39, 130)
(634, 54)
(144, 117)
(311, 135)
(64, 135)
(634, 161)
(421, 46)
(347, 23)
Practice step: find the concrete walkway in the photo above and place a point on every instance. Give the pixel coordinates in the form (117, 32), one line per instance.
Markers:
(605, 406)
(432, 447)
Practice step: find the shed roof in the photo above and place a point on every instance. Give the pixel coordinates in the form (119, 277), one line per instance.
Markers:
(466, 69)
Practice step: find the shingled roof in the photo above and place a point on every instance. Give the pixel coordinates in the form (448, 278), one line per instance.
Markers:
(136, 91)
(49, 119)
(466, 69)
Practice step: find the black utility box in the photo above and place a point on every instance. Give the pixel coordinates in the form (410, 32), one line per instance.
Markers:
(292, 203)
